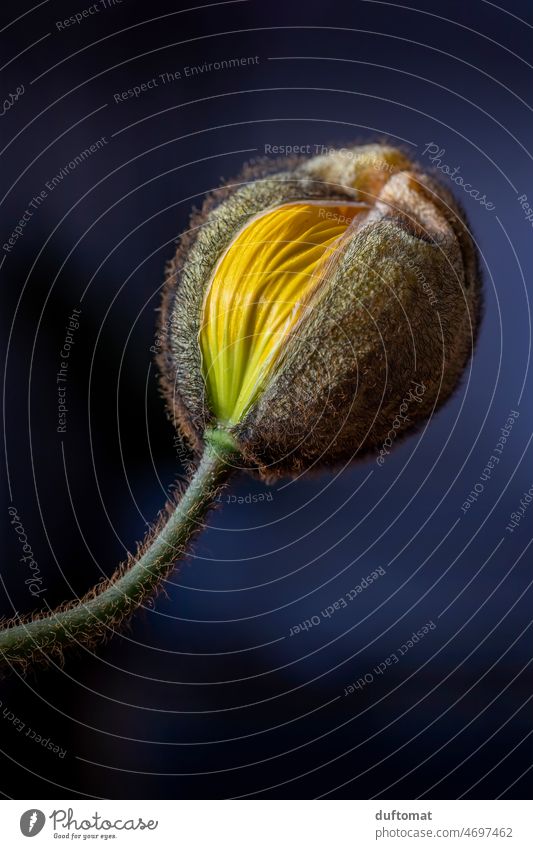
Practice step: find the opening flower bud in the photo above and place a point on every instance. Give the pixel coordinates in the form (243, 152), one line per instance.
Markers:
(262, 286)
(310, 312)
(304, 304)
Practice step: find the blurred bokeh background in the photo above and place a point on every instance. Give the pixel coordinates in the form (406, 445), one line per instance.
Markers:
(207, 694)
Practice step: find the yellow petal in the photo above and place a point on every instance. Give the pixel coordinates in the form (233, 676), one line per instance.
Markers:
(259, 291)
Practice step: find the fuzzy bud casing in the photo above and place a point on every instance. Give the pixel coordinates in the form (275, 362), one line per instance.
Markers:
(387, 308)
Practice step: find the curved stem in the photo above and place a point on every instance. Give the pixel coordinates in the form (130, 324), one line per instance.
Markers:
(97, 615)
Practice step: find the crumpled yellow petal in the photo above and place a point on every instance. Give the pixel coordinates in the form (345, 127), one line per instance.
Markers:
(259, 291)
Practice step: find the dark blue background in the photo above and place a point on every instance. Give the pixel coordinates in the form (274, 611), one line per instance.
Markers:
(206, 695)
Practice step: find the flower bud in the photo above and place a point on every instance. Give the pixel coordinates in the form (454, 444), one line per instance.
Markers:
(311, 310)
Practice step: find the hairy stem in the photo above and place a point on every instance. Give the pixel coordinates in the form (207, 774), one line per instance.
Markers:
(100, 612)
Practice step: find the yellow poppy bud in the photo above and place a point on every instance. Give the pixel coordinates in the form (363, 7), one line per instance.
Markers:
(262, 287)
(304, 305)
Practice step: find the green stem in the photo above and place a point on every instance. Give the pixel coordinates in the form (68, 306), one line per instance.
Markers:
(98, 614)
